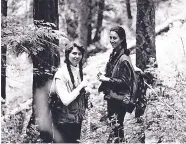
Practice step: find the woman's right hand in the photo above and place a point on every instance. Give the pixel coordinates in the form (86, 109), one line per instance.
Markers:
(84, 83)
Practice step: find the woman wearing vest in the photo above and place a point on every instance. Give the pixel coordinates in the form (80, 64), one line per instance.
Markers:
(118, 83)
(68, 101)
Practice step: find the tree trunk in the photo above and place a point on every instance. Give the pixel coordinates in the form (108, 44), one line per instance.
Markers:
(46, 10)
(145, 43)
(99, 20)
(83, 16)
(4, 7)
(3, 71)
(44, 61)
(3, 55)
(89, 39)
(128, 9)
(145, 33)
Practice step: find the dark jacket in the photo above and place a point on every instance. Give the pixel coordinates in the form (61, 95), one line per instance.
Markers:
(121, 77)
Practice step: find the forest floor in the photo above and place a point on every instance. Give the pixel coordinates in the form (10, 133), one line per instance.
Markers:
(166, 112)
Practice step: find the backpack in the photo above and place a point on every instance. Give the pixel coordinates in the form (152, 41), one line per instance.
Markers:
(133, 97)
(138, 93)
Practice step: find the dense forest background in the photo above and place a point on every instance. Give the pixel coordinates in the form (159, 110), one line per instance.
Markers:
(31, 48)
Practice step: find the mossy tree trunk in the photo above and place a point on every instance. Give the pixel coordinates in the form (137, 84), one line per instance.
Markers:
(145, 33)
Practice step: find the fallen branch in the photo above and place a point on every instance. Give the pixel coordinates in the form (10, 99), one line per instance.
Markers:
(165, 103)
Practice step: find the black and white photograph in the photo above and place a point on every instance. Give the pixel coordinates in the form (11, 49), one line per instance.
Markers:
(93, 71)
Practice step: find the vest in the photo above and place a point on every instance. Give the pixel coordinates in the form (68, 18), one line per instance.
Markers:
(75, 111)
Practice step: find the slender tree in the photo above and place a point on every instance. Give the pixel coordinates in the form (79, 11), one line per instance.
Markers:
(3, 54)
(145, 33)
(101, 5)
(89, 39)
(128, 9)
(83, 17)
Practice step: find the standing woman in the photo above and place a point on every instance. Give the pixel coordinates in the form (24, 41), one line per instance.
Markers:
(117, 84)
(68, 101)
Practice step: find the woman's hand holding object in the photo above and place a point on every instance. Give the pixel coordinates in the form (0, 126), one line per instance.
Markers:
(103, 78)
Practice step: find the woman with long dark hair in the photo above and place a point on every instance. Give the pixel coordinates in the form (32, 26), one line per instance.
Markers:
(68, 101)
(118, 83)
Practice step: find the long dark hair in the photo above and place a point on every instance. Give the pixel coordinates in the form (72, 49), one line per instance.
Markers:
(67, 61)
(121, 33)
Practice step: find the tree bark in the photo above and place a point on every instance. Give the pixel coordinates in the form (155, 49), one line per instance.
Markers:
(145, 33)
(4, 7)
(3, 55)
(145, 52)
(128, 9)
(44, 61)
(99, 20)
(46, 10)
(3, 71)
(89, 39)
(83, 12)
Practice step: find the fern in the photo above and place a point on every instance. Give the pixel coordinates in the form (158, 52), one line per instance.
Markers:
(28, 38)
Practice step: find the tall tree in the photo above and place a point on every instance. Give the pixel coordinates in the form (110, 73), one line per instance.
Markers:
(83, 17)
(145, 43)
(145, 33)
(3, 54)
(46, 60)
(89, 39)
(128, 9)
(101, 5)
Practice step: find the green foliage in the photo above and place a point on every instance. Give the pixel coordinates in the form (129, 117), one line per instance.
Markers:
(27, 38)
